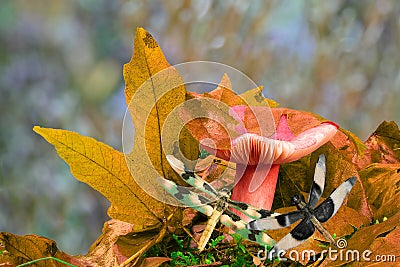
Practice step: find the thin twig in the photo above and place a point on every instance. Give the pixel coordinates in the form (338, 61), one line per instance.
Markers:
(189, 234)
(46, 258)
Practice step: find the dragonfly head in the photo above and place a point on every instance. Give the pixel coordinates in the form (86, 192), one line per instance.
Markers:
(296, 199)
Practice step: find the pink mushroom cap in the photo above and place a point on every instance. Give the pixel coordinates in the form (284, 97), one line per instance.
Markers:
(258, 158)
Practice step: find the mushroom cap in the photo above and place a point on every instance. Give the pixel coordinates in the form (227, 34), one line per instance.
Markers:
(252, 149)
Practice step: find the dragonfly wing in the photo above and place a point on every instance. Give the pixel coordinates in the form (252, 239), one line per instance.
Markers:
(251, 211)
(298, 235)
(190, 176)
(318, 184)
(187, 197)
(276, 222)
(331, 205)
(235, 223)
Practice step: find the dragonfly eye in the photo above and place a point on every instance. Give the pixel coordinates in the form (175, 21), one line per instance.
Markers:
(296, 199)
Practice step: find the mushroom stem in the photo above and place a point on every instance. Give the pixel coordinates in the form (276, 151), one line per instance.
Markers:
(263, 195)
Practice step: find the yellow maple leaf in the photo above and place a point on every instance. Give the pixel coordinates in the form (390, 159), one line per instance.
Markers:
(104, 169)
(153, 91)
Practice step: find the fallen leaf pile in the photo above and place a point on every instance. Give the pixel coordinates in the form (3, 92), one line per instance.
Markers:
(129, 181)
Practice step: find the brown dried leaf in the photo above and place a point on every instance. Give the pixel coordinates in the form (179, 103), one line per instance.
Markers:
(154, 261)
(382, 183)
(383, 146)
(21, 249)
(106, 251)
(379, 239)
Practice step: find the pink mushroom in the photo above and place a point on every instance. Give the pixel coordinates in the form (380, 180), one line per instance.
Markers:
(258, 158)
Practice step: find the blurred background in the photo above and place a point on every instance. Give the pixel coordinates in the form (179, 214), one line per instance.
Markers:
(61, 67)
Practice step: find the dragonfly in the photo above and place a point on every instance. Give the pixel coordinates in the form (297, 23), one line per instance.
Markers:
(311, 217)
(216, 205)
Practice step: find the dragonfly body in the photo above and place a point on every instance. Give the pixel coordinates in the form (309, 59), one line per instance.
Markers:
(308, 213)
(217, 208)
(310, 217)
(220, 206)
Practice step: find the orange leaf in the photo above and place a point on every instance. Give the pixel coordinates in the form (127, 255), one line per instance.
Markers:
(217, 120)
(222, 93)
(225, 94)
